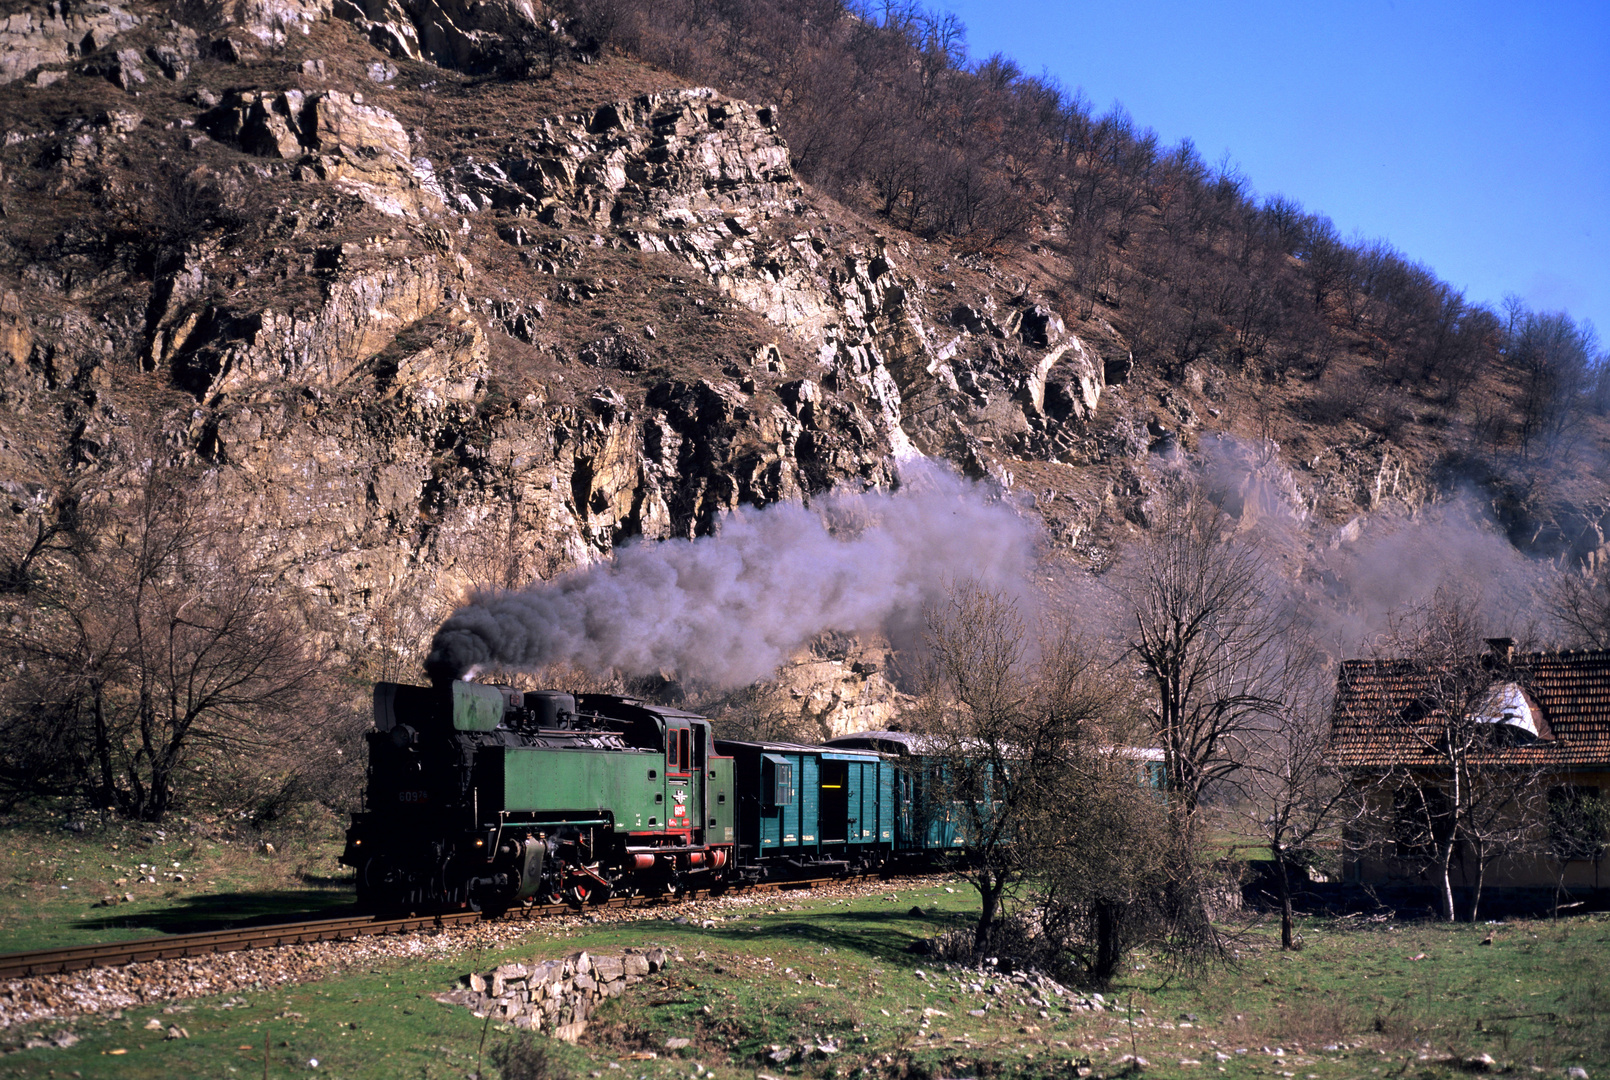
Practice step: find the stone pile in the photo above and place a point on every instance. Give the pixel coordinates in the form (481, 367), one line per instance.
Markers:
(554, 996)
(994, 988)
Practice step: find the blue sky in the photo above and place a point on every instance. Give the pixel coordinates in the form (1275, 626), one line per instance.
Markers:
(1474, 137)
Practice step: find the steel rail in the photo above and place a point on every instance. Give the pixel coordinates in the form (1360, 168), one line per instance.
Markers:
(179, 946)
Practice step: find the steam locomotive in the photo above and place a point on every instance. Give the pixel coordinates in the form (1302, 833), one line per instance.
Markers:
(487, 797)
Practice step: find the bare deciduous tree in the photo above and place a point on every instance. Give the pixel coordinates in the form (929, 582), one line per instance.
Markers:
(1300, 803)
(1578, 828)
(1503, 805)
(1457, 794)
(1008, 715)
(1580, 603)
(1555, 361)
(154, 644)
(1068, 844)
(763, 712)
(1107, 863)
(975, 708)
(1204, 628)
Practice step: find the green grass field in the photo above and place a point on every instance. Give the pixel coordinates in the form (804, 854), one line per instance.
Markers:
(54, 883)
(1377, 1000)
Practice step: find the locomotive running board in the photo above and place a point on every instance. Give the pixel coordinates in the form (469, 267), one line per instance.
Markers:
(649, 849)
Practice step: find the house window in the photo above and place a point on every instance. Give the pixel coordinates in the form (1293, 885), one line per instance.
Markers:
(1154, 774)
(1579, 818)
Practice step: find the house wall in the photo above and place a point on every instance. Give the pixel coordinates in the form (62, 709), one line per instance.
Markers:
(1377, 866)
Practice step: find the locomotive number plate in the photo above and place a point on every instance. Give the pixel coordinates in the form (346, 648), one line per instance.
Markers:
(412, 797)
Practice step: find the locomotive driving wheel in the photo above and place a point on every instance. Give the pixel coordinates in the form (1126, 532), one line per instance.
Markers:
(374, 885)
(586, 889)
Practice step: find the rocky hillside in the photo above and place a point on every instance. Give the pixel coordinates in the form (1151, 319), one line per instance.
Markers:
(433, 295)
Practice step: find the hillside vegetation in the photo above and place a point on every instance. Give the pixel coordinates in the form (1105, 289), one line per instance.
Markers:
(317, 316)
(883, 109)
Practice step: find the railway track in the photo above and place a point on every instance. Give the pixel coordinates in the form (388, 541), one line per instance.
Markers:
(177, 946)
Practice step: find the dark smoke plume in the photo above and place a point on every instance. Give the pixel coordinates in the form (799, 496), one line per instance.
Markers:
(729, 608)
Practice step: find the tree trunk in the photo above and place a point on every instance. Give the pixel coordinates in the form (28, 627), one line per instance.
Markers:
(1105, 964)
(1445, 870)
(989, 895)
(140, 791)
(1285, 901)
(1455, 810)
(1481, 876)
(103, 751)
(157, 805)
(161, 793)
(134, 805)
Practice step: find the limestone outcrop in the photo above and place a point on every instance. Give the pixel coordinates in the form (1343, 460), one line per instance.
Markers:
(215, 348)
(701, 177)
(269, 22)
(451, 33)
(679, 159)
(45, 34)
(332, 137)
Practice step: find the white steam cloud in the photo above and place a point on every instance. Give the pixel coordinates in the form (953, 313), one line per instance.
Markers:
(1349, 583)
(731, 607)
(1396, 563)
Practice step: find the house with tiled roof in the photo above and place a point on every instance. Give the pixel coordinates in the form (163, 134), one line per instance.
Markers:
(1538, 722)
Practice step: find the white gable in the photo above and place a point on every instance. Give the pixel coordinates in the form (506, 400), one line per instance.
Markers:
(1510, 707)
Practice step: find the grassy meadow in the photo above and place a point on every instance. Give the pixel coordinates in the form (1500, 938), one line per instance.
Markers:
(54, 883)
(1360, 1000)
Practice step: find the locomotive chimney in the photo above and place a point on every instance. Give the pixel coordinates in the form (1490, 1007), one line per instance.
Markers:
(443, 672)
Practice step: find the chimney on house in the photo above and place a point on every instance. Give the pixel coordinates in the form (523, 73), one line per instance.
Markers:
(1502, 649)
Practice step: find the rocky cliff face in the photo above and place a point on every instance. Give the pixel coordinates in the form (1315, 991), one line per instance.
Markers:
(423, 329)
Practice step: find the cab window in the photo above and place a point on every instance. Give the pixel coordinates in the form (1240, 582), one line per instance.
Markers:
(676, 750)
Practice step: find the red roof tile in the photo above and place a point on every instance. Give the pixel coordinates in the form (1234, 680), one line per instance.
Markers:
(1377, 722)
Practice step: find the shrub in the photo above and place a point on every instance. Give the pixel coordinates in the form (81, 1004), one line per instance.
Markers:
(525, 1058)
